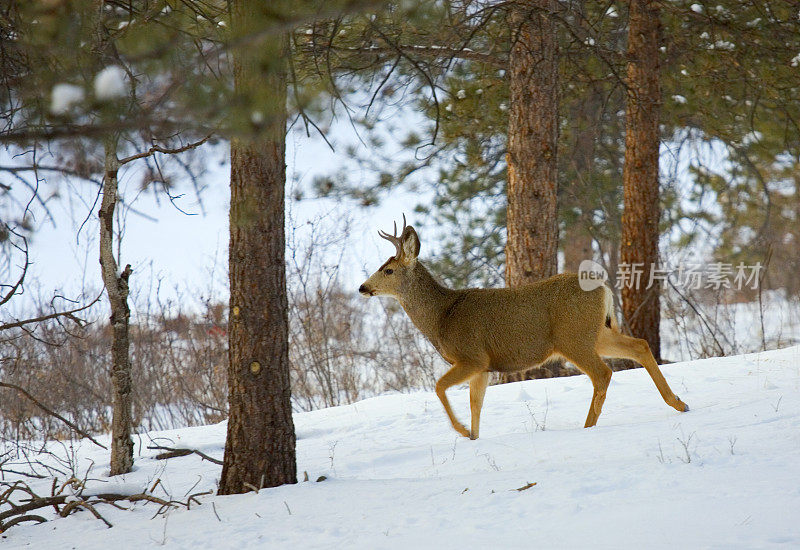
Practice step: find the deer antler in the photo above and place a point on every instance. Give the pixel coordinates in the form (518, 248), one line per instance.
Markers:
(394, 239)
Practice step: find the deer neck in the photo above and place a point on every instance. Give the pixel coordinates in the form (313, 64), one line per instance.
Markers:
(425, 300)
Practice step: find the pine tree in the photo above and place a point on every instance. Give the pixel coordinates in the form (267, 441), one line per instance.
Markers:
(640, 219)
(532, 157)
(260, 445)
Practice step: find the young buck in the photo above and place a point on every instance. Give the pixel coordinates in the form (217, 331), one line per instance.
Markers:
(482, 330)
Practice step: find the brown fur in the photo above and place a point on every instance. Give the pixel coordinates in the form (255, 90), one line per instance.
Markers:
(479, 330)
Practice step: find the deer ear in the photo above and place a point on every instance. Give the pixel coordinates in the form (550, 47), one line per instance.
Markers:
(410, 241)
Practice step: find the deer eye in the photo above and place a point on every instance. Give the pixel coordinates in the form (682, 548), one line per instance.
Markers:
(388, 271)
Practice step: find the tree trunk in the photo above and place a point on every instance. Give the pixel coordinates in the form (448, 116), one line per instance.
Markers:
(532, 245)
(260, 444)
(640, 219)
(117, 289)
(584, 119)
(577, 244)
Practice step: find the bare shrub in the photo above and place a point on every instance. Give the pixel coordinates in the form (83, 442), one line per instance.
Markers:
(700, 323)
(179, 364)
(179, 353)
(405, 360)
(341, 348)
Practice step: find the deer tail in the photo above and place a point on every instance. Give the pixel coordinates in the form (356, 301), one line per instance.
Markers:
(608, 302)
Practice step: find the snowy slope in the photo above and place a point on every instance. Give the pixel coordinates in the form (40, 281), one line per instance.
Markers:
(724, 475)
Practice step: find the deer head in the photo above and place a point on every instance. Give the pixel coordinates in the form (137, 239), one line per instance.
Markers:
(397, 271)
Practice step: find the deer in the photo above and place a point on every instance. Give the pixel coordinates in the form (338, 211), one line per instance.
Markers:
(506, 330)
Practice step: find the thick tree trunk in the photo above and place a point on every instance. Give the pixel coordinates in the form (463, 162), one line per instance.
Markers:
(532, 245)
(640, 174)
(116, 285)
(584, 119)
(260, 445)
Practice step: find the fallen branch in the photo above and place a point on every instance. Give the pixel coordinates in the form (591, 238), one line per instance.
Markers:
(17, 512)
(20, 519)
(75, 504)
(525, 487)
(173, 452)
(4, 471)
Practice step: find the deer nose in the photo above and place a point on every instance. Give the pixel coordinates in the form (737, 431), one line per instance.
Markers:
(362, 289)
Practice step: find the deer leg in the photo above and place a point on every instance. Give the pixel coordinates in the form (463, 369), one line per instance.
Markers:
(601, 378)
(459, 372)
(477, 390)
(599, 373)
(613, 344)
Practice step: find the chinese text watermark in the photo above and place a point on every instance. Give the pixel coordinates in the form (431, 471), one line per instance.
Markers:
(692, 276)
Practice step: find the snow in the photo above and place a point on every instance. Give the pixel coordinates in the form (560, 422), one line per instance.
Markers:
(110, 83)
(65, 96)
(697, 8)
(679, 99)
(752, 137)
(723, 475)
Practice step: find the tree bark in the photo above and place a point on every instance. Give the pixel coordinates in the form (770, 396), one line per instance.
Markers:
(641, 215)
(532, 246)
(116, 285)
(260, 444)
(532, 228)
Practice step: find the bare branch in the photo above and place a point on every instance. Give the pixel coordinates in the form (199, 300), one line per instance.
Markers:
(70, 314)
(13, 290)
(430, 52)
(51, 412)
(158, 149)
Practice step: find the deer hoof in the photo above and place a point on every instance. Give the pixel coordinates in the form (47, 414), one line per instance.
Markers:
(682, 407)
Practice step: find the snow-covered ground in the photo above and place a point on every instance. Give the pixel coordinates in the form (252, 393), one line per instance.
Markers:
(724, 475)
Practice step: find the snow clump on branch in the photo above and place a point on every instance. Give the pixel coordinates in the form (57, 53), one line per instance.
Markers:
(64, 97)
(110, 83)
